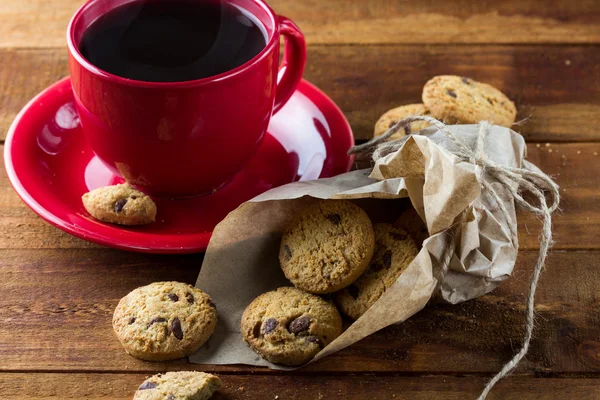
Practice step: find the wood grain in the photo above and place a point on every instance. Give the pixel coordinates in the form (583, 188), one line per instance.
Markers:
(23, 74)
(366, 81)
(290, 387)
(42, 23)
(59, 292)
(60, 302)
(576, 226)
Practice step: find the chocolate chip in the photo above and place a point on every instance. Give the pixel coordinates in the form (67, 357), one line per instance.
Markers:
(501, 103)
(213, 305)
(288, 251)
(451, 93)
(131, 320)
(353, 291)
(387, 259)
(176, 328)
(156, 320)
(170, 397)
(465, 80)
(120, 204)
(398, 236)
(407, 129)
(256, 330)
(299, 325)
(269, 326)
(334, 218)
(173, 297)
(147, 385)
(314, 339)
(490, 101)
(133, 197)
(392, 124)
(190, 298)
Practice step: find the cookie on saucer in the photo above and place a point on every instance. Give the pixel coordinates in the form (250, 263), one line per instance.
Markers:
(164, 321)
(182, 385)
(120, 204)
(391, 117)
(460, 100)
(288, 326)
(394, 251)
(327, 246)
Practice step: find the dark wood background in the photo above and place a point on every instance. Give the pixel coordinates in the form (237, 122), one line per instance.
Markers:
(57, 293)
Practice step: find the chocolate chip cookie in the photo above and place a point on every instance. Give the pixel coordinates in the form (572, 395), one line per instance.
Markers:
(164, 320)
(394, 251)
(183, 385)
(461, 100)
(327, 246)
(288, 326)
(120, 204)
(391, 117)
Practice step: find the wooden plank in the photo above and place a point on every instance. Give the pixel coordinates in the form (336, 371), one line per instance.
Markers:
(557, 89)
(42, 23)
(60, 302)
(290, 387)
(576, 226)
(23, 74)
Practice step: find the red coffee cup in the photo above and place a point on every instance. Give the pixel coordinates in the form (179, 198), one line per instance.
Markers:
(181, 139)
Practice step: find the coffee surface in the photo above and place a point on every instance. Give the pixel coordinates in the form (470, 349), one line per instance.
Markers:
(172, 40)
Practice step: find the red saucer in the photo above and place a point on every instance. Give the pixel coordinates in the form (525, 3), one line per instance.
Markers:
(51, 166)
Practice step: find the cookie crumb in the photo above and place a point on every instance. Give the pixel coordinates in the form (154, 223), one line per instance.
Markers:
(547, 144)
(538, 145)
(567, 62)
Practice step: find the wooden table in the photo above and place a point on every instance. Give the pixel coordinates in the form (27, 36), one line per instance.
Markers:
(58, 293)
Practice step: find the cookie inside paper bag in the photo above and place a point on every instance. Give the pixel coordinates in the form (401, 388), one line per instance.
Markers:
(242, 258)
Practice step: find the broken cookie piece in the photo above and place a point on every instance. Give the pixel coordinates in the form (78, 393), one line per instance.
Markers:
(181, 385)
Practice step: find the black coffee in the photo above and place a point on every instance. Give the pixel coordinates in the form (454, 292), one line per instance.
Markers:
(172, 40)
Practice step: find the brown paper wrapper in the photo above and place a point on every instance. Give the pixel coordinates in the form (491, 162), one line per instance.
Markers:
(241, 261)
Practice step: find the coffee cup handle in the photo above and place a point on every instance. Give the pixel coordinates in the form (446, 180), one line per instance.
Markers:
(292, 64)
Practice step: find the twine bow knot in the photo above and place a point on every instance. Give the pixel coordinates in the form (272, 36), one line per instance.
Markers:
(516, 181)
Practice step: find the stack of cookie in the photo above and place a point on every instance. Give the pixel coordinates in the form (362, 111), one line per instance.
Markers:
(453, 100)
(331, 249)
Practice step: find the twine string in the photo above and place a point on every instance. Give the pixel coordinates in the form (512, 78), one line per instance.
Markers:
(516, 181)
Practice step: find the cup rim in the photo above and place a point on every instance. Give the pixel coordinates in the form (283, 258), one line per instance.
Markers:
(81, 60)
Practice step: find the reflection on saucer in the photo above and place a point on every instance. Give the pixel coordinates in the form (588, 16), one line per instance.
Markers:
(65, 120)
(302, 135)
